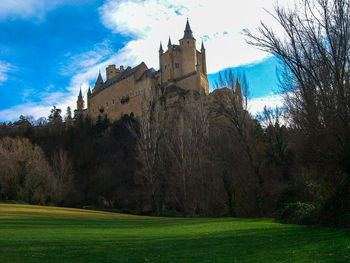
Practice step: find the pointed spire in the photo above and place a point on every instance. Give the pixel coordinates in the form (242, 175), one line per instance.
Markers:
(238, 89)
(160, 47)
(202, 47)
(169, 42)
(238, 82)
(188, 31)
(80, 97)
(99, 81)
(89, 91)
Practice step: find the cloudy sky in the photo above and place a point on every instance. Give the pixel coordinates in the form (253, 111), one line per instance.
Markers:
(51, 48)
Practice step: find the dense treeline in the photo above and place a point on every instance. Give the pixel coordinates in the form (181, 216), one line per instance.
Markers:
(202, 157)
(179, 161)
(190, 154)
(89, 164)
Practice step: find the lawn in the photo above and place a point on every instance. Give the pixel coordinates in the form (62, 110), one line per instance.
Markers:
(51, 234)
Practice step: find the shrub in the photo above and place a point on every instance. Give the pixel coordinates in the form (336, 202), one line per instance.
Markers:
(298, 213)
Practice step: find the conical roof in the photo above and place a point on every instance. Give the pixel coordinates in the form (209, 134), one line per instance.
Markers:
(99, 81)
(238, 89)
(161, 47)
(188, 31)
(80, 96)
(169, 42)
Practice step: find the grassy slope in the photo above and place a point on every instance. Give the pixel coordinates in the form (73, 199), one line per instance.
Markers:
(50, 234)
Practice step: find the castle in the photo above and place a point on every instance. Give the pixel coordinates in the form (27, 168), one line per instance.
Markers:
(124, 89)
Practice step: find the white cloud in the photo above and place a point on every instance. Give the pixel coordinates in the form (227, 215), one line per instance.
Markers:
(86, 66)
(39, 109)
(219, 23)
(28, 8)
(28, 109)
(4, 69)
(257, 105)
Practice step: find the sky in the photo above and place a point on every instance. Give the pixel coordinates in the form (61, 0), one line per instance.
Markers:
(49, 49)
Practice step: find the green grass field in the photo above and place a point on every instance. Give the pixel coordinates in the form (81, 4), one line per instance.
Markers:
(51, 234)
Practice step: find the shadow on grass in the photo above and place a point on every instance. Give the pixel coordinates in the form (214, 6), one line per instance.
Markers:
(168, 240)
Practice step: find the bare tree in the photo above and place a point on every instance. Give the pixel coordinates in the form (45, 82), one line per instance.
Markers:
(277, 148)
(187, 138)
(314, 52)
(63, 171)
(24, 171)
(231, 102)
(148, 141)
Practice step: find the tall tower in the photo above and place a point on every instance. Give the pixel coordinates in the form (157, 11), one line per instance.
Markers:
(189, 51)
(88, 98)
(204, 60)
(183, 65)
(161, 51)
(170, 70)
(80, 102)
(238, 93)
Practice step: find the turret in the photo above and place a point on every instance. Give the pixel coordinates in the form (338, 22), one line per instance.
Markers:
(238, 92)
(188, 31)
(99, 82)
(88, 97)
(202, 47)
(161, 48)
(169, 44)
(161, 52)
(80, 102)
(111, 71)
(204, 60)
(188, 50)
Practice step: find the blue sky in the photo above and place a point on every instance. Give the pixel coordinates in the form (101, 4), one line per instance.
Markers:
(49, 49)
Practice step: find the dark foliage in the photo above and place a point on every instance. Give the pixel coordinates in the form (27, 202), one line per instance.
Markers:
(101, 156)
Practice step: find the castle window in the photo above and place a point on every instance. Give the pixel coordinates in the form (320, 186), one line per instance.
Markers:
(124, 99)
(177, 65)
(112, 101)
(188, 42)
(165, 67)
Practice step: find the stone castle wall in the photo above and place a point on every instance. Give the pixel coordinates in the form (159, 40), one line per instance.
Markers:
(124, 90)
(122, 97)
